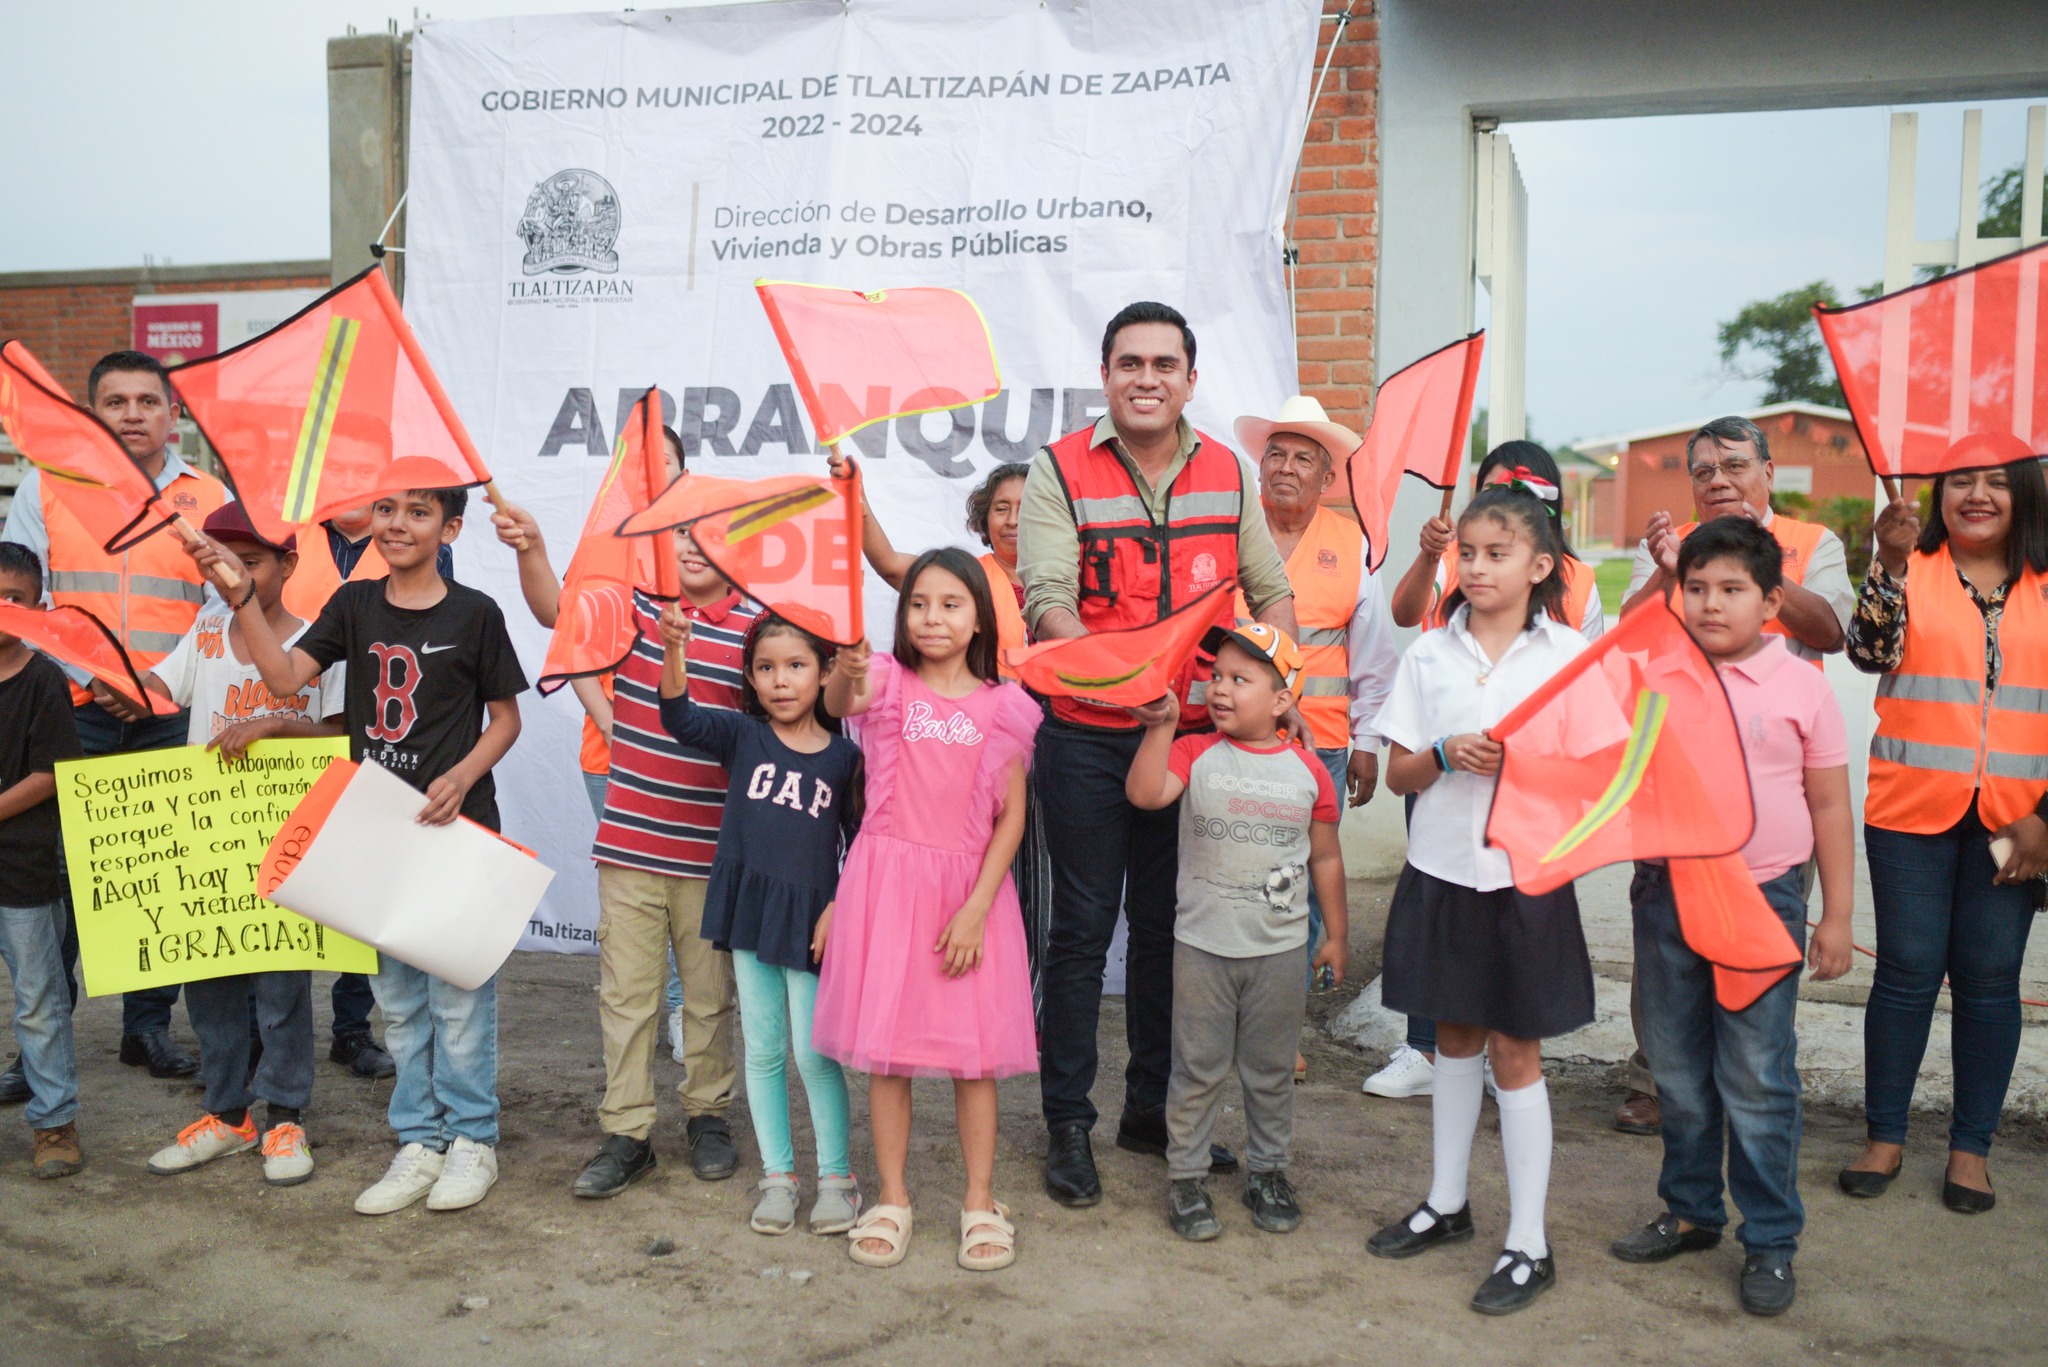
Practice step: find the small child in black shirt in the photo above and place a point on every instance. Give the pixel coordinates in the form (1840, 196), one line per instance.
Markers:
(36, 731)
(431, 696)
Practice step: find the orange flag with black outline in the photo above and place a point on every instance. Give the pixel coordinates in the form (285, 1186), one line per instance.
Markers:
(1631, 751)
(594, 628)
(859, 359)
(77, 638)
(791, 543)
(1127, 668)
(308, 416)
(1419, 427)
(1949, 374)
(82, 462)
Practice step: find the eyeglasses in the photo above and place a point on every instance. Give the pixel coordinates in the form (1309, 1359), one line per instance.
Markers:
(1736, 468)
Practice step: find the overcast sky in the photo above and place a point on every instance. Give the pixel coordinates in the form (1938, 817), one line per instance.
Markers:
(154, 132)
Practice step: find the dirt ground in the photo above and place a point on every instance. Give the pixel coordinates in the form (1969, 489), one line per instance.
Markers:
(115, 1266)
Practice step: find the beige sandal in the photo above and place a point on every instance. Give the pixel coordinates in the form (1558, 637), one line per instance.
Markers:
(895, 1233)
(981, 1228)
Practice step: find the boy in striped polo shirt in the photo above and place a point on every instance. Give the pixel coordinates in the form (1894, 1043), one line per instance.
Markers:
(654, 845)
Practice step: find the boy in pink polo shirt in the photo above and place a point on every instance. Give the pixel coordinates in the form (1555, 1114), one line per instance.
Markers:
(1737, 1070)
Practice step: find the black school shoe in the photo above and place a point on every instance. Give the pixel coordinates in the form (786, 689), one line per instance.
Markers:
(1070, 1176)
(1661, 1240)
(14, 1088)
(712, 1155)
(1501, 1294)
(159, 1053)
(1271, 1198)
(1190, 1211)
(1145, 1132)
(362, 1055)
(621, 1161)
(1399, 1241)
(1966, 1200)
(1768, 1286)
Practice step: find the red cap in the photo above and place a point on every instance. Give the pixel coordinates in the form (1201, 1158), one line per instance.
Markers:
(229, 524)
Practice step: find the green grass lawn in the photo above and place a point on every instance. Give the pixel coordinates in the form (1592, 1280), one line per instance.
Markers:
(1612, 577)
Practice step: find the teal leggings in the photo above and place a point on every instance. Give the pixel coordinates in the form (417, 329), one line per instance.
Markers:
(775, 1015)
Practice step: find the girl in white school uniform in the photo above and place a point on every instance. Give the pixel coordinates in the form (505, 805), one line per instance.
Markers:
(1498, 970)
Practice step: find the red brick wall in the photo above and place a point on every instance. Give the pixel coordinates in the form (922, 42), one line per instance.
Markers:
(1336, 224)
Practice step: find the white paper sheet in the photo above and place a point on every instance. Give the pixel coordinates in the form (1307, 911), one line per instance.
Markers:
(449, 900)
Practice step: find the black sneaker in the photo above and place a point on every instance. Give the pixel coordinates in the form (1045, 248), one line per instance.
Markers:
(1768, 1286)
(1070, 1176)
(1662, 1239)
(620, 1162)
(712, 1155)
(1399, 1240)
(159, 1053)
(1190, 1211)
(1502, 1294)
(14, 1088)
(1145, 1132)
(1271, 1198)
(361, 1055)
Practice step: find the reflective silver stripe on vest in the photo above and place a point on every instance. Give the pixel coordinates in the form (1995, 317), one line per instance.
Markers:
(1949, 759)
(84, 581)
(1999, 764)
(1325, 686)
(156, 586)
(1320, 636)
(1198, 691)
(1204, 505)
(1116, 508)
(1928, 688)
(2018, 698)
(162, 642)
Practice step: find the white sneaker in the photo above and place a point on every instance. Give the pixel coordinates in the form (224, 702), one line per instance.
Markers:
(675, 1034)
(412, 1174)
(471, 1170)
(286, 1159)
(1408, 1073)
(204, 1140)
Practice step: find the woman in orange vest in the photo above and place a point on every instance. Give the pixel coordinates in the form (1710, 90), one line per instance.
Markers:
(1953, 618)
(1417, 599)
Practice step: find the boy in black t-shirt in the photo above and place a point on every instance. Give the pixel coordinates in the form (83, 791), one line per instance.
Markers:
(432, 696)
(36, 731)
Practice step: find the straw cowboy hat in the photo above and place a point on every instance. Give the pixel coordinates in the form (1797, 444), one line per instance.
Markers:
(1302, 416)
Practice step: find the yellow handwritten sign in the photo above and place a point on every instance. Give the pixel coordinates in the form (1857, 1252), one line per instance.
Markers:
(164, 846)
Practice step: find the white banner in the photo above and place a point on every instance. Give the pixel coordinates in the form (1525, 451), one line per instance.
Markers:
(593, 197)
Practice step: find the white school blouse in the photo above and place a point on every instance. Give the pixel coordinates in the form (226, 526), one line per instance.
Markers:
(1446, 687)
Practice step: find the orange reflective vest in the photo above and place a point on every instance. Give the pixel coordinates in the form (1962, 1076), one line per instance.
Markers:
(149, 594)
(1796, 539)
(317, 576)
(1009, 614)
(1941, 739)
(1325, 571)
(1135, 571)
(1579, 588)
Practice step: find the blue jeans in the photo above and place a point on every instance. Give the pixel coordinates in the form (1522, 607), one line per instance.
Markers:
(29, 940)
(352, 999)
(1718, 1069)
(775, 1014)
(220, 1010)
(445, 1043)
(100, 732)
(1336, 761)
(1938, 914)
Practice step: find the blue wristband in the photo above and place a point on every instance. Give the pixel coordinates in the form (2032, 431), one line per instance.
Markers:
(1443, 761)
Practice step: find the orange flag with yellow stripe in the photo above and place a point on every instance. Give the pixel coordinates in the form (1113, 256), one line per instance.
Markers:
(1126, 668)
(76, 637)
(84, 464)
(308, 416)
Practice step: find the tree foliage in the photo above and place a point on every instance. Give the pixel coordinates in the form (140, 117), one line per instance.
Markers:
(1775, 341)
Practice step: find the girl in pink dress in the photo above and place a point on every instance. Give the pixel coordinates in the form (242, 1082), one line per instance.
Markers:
(924, 973)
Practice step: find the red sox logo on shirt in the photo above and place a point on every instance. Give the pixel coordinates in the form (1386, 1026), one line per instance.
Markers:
(398, 674)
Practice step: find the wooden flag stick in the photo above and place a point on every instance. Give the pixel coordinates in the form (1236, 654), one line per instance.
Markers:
(1445, 511)
(228, 576)
(497, 501)
(856, 529)
(1893, 486)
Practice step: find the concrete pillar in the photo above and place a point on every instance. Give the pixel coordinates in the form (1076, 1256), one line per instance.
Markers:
(368, 86)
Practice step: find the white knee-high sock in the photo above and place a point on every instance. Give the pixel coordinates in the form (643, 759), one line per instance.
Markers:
(1454, 1118)
(1525, 1144)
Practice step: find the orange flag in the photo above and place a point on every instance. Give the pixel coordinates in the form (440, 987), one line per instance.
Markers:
(860, 359)
(1950, 374)
(76, 637)
(1126, 668)
(308, 417)
(1631, 752)
(791, 543)
(84, 463)
(1419, 427)
(594, 625)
